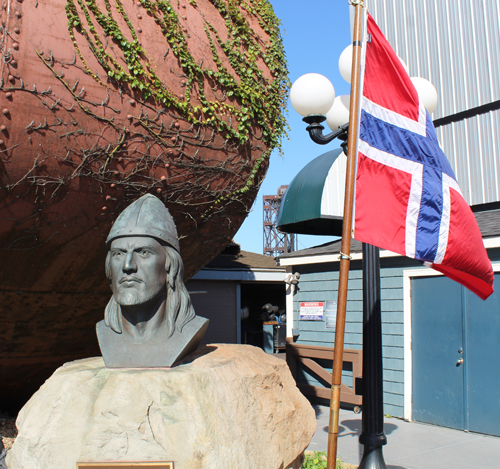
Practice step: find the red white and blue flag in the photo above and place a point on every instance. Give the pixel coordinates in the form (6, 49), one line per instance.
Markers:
(407, 197)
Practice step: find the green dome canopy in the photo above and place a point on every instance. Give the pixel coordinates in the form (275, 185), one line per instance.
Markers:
(313, 202)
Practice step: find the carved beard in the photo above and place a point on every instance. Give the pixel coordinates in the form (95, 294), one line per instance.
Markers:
(133, 297)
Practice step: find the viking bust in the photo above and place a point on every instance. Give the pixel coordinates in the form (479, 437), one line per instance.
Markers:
(149, 321)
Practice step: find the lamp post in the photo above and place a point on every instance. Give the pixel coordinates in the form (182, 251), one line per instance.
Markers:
(312, 94)
(372, 435)
(313, 97)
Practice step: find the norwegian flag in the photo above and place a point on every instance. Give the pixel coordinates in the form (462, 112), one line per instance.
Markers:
(407, 197)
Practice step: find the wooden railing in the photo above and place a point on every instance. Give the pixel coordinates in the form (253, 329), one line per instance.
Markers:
(306, 355)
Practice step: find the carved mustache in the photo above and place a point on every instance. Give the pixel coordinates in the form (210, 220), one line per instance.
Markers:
(130, 278)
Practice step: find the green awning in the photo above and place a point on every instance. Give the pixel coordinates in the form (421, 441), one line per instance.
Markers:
(313, 202)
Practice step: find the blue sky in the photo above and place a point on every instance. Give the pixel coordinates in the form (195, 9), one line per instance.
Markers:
(315, 32)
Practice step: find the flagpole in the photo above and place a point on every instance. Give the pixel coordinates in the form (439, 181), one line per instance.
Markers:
(345, 249)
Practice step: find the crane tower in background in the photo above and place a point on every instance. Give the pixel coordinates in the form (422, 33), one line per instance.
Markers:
(275, 242)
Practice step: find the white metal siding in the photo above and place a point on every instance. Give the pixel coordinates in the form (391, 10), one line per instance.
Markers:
(456, 45)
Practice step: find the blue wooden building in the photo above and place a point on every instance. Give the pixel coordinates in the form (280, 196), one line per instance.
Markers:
(439, 340)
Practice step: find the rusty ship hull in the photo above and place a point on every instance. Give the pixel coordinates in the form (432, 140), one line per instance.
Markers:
(85, 129)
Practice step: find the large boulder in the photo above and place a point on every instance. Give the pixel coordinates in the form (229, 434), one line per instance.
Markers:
(226, 406)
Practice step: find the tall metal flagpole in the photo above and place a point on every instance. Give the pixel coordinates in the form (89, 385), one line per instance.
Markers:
(345, 250)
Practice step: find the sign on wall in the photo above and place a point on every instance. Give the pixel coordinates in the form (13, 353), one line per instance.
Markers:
(331, 314)
(312, 310)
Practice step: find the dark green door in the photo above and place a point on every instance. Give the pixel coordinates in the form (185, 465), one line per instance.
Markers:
(456, 369)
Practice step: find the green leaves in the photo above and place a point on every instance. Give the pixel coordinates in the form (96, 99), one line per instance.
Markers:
(317, 460)
(249, 97)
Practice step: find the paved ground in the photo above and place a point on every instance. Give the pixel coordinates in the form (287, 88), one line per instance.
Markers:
(412, 445)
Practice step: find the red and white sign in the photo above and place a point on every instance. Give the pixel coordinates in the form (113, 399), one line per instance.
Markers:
(312, 310)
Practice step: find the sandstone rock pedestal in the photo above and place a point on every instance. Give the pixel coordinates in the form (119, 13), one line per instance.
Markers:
(226, 406)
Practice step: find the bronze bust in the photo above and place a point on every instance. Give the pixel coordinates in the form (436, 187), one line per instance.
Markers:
(149, 321)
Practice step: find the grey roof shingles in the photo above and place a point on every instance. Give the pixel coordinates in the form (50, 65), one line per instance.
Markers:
(243, 260)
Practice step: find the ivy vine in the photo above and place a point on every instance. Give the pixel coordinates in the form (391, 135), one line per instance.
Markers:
(109, 124)
(251, 99)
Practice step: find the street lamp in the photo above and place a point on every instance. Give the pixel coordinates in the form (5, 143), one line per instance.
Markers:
(372, 435)
(426, 92)
(313, 97)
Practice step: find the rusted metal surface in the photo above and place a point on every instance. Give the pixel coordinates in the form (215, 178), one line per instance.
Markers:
(75, 149)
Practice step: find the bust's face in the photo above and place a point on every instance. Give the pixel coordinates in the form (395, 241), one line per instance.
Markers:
(137, 269)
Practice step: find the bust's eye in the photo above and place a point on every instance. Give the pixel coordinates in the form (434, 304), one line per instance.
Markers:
(144, 252)
(116, 253)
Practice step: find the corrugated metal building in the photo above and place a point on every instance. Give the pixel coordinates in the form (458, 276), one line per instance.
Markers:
(456, 45)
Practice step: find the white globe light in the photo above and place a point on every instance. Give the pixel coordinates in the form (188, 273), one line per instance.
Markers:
(312, 95)
(338, 115)
(426, 92)
(345, 63)
(403, 63)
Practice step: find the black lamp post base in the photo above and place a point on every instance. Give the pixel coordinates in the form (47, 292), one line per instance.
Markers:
(372, 435)
(373, 458)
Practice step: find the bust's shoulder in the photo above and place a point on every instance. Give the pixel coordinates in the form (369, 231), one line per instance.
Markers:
(193, 330)
(196, 323)
(102, 330)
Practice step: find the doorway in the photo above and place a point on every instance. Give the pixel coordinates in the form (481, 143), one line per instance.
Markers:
(455, 366)
(254, 296)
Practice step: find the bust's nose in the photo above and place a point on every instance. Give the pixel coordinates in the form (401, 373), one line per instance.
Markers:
(129, 266)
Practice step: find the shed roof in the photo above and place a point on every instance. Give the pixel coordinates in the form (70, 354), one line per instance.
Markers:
(243, 260)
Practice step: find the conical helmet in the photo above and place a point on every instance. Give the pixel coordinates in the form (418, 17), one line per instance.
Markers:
(147, 216)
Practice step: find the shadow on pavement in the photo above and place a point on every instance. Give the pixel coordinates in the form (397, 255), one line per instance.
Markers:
(341, 430)
(355, 426)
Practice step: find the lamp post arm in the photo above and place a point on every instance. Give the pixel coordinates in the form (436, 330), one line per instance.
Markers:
(315, 130)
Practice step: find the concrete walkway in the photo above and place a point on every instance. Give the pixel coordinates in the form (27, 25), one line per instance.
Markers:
(411, 445)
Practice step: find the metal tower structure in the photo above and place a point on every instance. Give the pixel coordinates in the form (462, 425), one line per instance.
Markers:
(275, 242)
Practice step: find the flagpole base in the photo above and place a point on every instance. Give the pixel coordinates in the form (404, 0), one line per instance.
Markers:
(373, 458)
